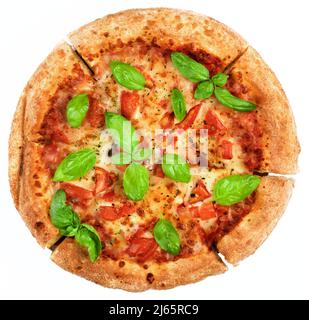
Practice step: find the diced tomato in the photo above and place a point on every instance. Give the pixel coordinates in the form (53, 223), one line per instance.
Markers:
(51, 155)
(189, 119)
(95, 113)
(157, 171)
(213, 124)
(207, 211)
(112, 213)
(186, 212)
(226, 149)
(126, 208)
(142, 248)
(104, 180)
(167, 120)
(77, 195)
(108, 213)
(199, 193)
(129, 101)
(111, 196)
(194, 211)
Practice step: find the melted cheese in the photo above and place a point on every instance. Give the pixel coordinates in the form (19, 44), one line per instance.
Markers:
(164, 195)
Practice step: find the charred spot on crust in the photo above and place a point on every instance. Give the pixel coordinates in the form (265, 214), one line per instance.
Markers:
(121, 264)
(150, 277)
(37, 184)
(39, 226)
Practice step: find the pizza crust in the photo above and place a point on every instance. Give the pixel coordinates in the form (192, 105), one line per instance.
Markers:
(272, 198)
(279, 142)
(132, 276)
(16, 148)
(167, 28)
(35, 194)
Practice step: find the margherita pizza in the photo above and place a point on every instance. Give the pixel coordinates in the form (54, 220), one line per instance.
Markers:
(143, 151)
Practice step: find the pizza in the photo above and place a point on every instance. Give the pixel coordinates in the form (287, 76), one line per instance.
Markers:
(152, 150)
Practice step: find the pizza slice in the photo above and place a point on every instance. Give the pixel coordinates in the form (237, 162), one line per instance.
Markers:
(48, 93)
(271, 142)
(272, 197)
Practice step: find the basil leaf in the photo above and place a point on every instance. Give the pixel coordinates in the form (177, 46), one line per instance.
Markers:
(62, 216)
(189, 68)
(220, 79)
(122, 131)
(121, 158)
(88, 237)
(75, 165)
(136, 181)
(176, 168)
(127, 76)
(167, 237)
(233, 189)
(204, 90)
(228, 100)
(140, 154)
(77, 109)
(178, 104)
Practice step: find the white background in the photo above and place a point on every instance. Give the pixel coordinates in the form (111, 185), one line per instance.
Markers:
(277, 29)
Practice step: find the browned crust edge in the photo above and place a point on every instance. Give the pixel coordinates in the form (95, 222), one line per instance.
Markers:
(16, 148)
(35, 195)
(134, 277)
(165, 27)
(273, 195)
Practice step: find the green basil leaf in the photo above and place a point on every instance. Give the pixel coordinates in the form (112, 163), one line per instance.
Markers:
(122, 131)
(176, 168)
(136, 181)
(220, 79)
(121, 159)
(127, 76)
(167, 237)
(77, 109)
(178, 104)
(234, 189)
(228, 100)
(140, 154)
(75, 165)
(62, 216)
(204, 90)
(189, 68)
(88, 237)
